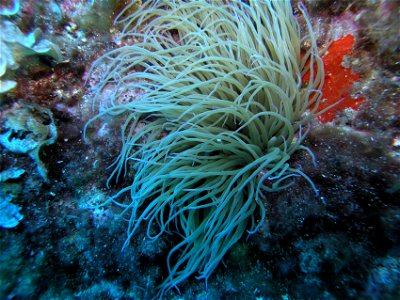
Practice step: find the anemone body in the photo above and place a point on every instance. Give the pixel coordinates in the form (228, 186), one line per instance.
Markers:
(221, 108)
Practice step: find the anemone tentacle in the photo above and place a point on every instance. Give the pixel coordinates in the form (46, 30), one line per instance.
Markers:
(221, 111)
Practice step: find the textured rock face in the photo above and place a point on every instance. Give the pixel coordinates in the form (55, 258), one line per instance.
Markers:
(10, 215)
(26, 129)
(343, 244)
(15, 46)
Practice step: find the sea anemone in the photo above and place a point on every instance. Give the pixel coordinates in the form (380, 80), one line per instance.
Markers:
(221, 110)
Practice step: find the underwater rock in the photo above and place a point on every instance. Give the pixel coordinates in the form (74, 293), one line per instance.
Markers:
(10, 10)
(15, 46)
(12, 173)
(26, 130)
(9, 212)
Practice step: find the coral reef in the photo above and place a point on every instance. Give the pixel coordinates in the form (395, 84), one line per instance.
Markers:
(9, 213)
(26, 129)
(15, 47)
(341, 244)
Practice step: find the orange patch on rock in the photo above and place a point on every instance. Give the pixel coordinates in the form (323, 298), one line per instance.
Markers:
(338, 80)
